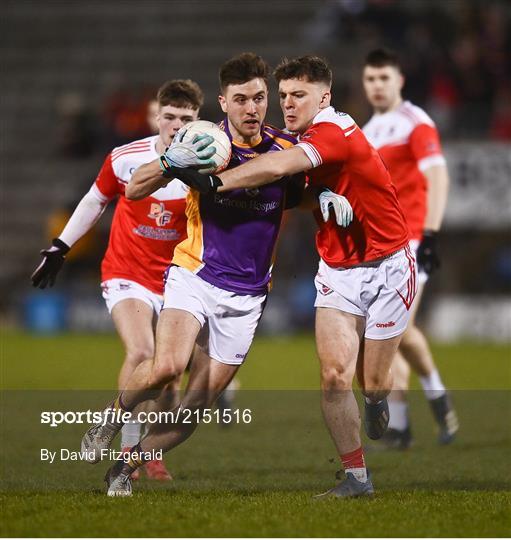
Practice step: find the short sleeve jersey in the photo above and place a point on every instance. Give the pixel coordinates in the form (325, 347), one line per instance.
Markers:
(345, 162)
(408, 142)
(144, 233)
(232, 235)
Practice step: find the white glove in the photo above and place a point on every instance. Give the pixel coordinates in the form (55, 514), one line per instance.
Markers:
(194, 153)
(341, 206)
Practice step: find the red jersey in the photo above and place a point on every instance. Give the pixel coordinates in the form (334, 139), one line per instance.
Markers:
(407, 141)
(347, 164)
(144, 233)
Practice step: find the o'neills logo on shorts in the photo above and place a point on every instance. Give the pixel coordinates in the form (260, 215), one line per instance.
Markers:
(389, 324)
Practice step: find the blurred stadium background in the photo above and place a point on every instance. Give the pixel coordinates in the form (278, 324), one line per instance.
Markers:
(78, 76)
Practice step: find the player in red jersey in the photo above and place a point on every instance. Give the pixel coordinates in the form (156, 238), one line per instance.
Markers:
(366, 281)
(408, 142)
(143, 236)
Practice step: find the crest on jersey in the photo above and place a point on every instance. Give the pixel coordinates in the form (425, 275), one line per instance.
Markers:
(159, 214)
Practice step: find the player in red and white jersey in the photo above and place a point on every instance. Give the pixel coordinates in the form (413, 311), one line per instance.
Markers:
(143, 233)
(408, 142)
(366, 281)
(143, 236)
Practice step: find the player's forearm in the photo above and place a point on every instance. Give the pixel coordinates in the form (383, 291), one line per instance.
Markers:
(438, 188)
(85, 216)
(145, 180)
(265, 169)
(249, 175)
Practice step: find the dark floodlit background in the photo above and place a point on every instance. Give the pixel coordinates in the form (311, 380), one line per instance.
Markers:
(77, 77)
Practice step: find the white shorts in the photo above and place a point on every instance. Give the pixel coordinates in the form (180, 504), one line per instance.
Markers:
(228, 320)
(115, 290)
(414, 245)
(382, 292)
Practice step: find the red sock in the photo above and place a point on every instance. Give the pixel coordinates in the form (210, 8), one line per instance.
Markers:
(354, 462)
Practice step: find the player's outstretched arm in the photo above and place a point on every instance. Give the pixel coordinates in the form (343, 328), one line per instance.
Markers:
(256, 172)
(265, 169)
(84, 217)
(147, 179)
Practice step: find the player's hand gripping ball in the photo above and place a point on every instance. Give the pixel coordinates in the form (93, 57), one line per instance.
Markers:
(200, 144)
(220, 143)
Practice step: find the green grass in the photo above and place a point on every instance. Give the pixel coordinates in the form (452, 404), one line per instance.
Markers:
(255, 479)
(276, 513)
(85, 362)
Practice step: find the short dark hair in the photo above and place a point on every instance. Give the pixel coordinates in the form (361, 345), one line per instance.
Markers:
(183, 93)
(312, 68)
(243, 68)
(382, 58)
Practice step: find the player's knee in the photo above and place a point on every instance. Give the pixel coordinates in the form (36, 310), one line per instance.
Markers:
(164, 374)
(336, 377)
(377, 384)
(137, 355)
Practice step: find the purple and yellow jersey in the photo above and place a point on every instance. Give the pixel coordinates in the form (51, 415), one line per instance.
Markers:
(232, 235)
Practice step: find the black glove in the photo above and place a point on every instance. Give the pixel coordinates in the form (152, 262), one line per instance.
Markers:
(46, 272)
(427, 255)
(203, 183)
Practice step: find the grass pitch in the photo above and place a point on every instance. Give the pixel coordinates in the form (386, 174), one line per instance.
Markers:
(253, 479)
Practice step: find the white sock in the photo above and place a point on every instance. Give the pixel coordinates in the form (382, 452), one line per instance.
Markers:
(360, 473)
(130, 434)
(432, 385)
(398, 411)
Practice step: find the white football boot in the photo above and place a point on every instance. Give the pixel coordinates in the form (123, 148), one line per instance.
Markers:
(97, 439)
(119, 484)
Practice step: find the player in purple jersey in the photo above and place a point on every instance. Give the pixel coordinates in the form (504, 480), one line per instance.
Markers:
(231, 236)
(217, 285)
